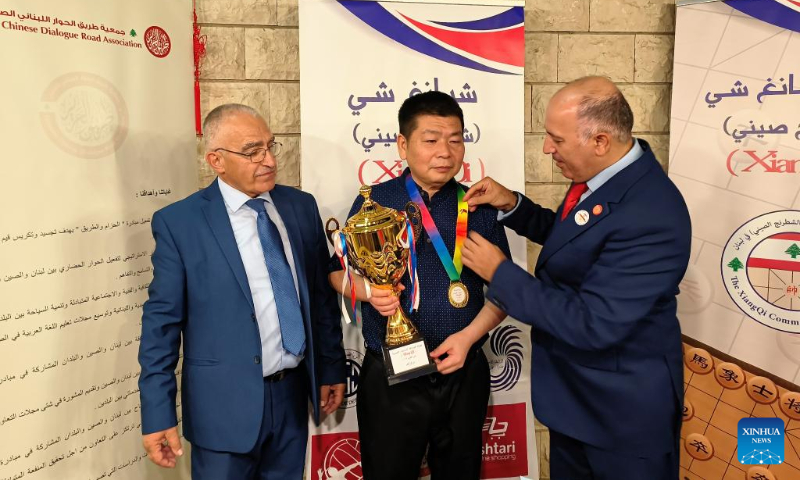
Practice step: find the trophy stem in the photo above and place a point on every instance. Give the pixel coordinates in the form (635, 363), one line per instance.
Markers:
(399, 329)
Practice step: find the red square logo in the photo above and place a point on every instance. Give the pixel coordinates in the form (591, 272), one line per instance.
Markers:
(505, 442)
(335, 456)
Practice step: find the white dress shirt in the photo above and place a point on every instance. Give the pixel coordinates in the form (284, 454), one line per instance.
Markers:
(243, 221)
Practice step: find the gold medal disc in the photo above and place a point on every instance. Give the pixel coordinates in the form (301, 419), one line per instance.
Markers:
(458, 295)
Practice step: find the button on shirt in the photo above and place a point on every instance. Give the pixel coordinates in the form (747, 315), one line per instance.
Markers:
(436, 318)
(243, 221)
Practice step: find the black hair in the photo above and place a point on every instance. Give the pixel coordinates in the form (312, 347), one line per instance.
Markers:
(428, 103)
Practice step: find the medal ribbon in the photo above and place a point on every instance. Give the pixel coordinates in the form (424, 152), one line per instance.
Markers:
(407, 240)
(341, 250)
(452, 266)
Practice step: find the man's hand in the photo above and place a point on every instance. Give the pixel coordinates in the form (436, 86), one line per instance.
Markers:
(163, 447)
(330, 397)
(384, 301)
(481, 256)
(456, 346)
(489, 191)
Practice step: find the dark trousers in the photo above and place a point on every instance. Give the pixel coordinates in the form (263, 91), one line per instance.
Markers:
(443, 413)
(279, 452)
(571, 459)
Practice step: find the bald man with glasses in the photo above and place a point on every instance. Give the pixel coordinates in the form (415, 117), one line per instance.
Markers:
(239, 279)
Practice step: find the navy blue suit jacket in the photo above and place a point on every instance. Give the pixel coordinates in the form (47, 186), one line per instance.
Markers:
(200, 291)
(606, 343)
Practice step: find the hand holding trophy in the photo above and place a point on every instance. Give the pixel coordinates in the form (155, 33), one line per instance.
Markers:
(378, 243)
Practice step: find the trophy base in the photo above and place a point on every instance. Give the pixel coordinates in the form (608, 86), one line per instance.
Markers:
(408, 361)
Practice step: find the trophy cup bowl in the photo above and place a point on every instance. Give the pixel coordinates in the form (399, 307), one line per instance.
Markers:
(378, 248)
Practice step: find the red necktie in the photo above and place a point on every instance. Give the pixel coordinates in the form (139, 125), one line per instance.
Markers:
(573, 196)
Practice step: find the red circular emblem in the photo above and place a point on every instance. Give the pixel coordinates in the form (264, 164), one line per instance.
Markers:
(157, 41)
(343, 461)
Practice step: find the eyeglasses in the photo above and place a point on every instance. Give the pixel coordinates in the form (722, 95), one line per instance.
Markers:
(257, 155)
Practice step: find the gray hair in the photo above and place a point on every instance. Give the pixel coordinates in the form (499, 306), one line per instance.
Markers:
(215, 118)
(606, 112)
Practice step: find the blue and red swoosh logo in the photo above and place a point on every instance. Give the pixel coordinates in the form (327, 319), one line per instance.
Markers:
(494, 44)
(781, 13)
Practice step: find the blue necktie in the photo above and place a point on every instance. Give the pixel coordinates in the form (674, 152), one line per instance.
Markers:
(280, 275)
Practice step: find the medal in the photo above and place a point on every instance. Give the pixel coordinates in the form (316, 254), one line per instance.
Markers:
(457, 293)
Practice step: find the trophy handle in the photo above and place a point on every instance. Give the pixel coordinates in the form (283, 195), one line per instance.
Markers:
(330, 231)
(415, 217)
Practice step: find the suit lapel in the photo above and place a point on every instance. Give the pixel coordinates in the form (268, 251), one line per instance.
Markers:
(567, 229)
(289, 216)
(605, 197)
(217, 216)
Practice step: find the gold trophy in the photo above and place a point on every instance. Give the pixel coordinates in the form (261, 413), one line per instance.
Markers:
(377, 244)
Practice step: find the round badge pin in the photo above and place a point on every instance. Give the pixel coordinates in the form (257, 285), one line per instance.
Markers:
(581, 217)
(597, 210)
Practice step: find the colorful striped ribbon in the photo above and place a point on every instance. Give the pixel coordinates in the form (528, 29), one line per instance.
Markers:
(453, 266)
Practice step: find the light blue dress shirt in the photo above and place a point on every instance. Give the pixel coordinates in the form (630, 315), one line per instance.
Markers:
(605, 175)
(243, 221)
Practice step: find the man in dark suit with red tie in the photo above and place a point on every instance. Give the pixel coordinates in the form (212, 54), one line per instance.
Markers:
(607, 377)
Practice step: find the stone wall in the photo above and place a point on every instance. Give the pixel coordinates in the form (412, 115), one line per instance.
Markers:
(253, 58)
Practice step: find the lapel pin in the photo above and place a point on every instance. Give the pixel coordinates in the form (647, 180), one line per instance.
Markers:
(581, 217)
(597, 210)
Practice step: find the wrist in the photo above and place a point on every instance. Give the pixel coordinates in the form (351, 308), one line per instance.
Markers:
(510, 201)
(472, 334)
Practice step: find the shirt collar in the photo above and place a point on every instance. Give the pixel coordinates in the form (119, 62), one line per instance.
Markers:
(450, 185)
(605, 175)
(234, 198)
